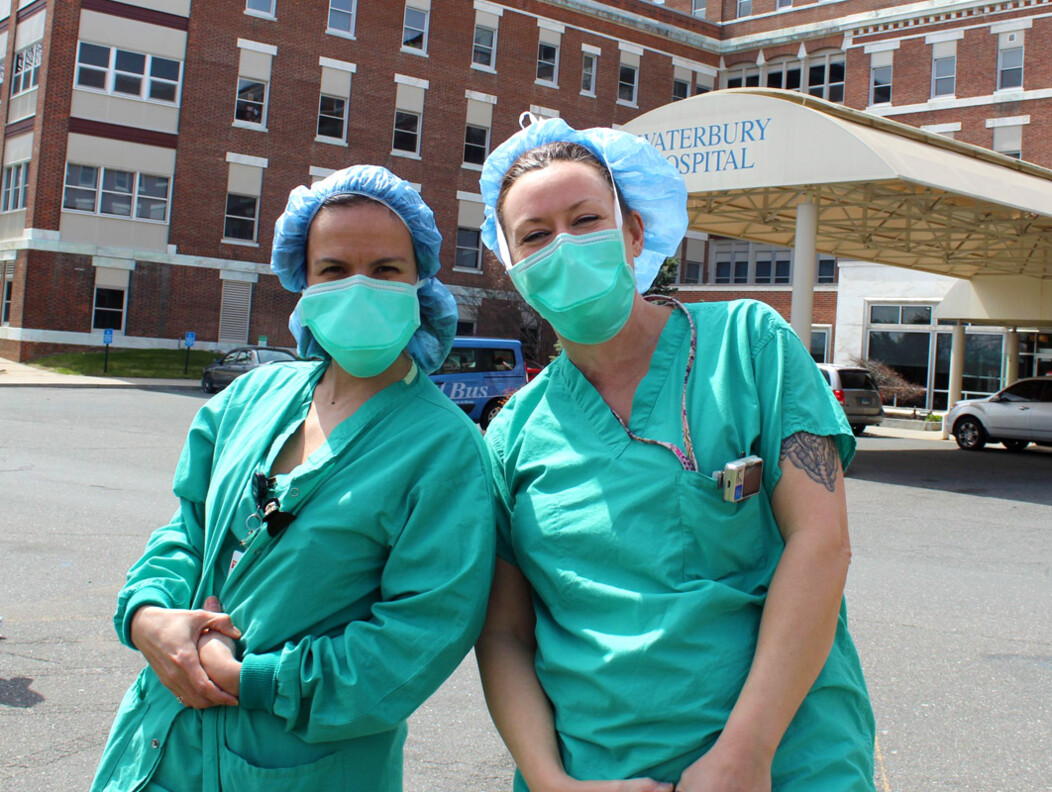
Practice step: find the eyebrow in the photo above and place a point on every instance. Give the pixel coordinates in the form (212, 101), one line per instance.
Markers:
(374, 262)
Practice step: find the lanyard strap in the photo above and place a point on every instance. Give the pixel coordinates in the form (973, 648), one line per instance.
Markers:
(685, 455)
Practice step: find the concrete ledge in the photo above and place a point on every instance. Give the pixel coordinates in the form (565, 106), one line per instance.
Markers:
(912, 424)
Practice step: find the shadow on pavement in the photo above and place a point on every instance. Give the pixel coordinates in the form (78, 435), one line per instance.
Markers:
(993, 472)
(15, 692)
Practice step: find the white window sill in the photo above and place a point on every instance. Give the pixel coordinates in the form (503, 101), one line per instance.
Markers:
(239, 242)
(247, 125)
(546, 84)
(944, 98)
(330, 141)
(22, 208)
(471, 166)
(470, 270)
(405, 154)
(340, 34)
(130, 97)
(623, 103)
(589, 94)
(1009, 94)
(414, 51)
(481, 68)
(879, 106)
(260, 15)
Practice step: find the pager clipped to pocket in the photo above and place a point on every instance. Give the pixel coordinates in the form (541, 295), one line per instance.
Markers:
(740, 479)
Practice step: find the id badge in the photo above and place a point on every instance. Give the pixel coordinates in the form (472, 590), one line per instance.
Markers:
(237, 555)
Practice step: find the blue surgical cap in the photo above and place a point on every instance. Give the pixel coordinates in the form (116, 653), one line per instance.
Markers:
(646, 181)
(431, 343)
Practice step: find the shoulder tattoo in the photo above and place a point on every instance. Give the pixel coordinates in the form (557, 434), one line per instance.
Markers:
(815, 455)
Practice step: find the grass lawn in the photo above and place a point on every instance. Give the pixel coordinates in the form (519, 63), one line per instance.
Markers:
(161, 363)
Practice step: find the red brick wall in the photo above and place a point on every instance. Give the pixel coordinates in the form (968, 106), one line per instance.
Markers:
(59, 292)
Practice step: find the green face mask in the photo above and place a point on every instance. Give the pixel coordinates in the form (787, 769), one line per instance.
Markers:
(363, 323)
(581, 284)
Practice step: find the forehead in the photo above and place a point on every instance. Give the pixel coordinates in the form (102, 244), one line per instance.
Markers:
(357, 224)
(559, 185)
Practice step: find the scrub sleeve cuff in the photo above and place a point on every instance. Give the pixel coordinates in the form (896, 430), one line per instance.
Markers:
(148, 595)
(259, 675)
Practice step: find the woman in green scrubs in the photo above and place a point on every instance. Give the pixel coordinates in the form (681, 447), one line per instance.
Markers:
(651, 627)
(329, 562)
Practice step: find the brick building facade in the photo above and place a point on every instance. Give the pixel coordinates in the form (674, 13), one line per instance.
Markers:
(149, 145)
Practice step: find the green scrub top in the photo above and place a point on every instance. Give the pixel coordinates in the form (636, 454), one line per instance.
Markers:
(350, 618)
(648, 587)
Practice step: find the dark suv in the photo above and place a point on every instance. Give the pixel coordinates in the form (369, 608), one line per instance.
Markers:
(857, 393)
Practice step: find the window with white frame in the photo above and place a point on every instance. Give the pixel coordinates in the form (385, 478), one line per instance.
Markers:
(251, 105)
(126, 73)
(484, 48)
(627, 83)
(26, 74)
(825, 75)
(332, 117)
(780, 4)
(820, 343)
(744, 8)
(469, 249)
(240, 220)
(116, 193)
(406, 132)
(16, 177)
(548, 62)
(880, 84)
(773, 265)
(8, 282)
(108, 309)
(680, 89)
(691, 267)
(730, 260)
(1008, 140)
(826, 272)
(698, 7)
(414, 29)
(341, 16)
(744, 76)
(944, 76)
(1009, 68)
(784, 73)
(588, 67)
(476, 144)
(261, 7)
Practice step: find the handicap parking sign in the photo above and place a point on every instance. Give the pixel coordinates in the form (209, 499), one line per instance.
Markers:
(107, 336)
(190, 338)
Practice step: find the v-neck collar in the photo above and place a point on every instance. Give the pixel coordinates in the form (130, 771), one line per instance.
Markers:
(597, 413)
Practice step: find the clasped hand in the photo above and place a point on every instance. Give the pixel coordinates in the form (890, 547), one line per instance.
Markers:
(191, 651)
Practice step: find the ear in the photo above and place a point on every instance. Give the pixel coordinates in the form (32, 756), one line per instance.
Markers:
(633, 229)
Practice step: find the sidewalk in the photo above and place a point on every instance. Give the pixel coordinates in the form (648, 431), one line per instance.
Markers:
(19, 375)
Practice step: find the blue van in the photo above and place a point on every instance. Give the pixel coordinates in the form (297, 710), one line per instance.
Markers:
(480, 373)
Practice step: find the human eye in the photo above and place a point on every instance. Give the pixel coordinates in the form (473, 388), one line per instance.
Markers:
(586, 219)
(534, 237)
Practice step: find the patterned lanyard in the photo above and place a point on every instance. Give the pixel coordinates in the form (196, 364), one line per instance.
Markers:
(686, 454)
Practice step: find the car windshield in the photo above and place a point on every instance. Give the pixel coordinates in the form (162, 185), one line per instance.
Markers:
(856, 380)
(274, 355)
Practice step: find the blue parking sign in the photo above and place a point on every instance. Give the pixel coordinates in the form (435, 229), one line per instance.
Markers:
(190, 338)
(107, 336)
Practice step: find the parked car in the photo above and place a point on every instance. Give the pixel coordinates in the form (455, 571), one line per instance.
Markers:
(857, 393)
(1014, 417)
(237, 361)
(480, 374)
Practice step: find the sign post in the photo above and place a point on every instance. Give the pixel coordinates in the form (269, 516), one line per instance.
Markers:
(107, 339)
(189, 342)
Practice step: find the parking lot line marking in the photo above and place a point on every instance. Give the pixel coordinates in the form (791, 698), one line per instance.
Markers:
(885, 787)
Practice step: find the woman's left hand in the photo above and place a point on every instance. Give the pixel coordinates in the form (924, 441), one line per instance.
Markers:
(726, 768)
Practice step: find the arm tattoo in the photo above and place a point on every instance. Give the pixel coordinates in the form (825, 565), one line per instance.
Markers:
(816, 456)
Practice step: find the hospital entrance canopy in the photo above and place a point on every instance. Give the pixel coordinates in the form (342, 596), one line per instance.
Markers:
(881, 191)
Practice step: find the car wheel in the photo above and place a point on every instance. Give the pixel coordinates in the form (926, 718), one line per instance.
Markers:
(490, 412)
(969, 433)
(1015, 445)
(858, 430)
(207, 385)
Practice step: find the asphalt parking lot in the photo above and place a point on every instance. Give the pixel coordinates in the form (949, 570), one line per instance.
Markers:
(949, 595)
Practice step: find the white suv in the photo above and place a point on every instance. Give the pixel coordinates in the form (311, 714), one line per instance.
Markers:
(1014, 417)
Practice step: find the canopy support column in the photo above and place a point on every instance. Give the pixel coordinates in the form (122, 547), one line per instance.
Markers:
(1011, 357)
(956, 371)
(804, 257)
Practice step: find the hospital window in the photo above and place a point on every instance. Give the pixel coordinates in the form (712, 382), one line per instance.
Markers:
(944, 76)
(407, 131)
(880, 85)
(772, 265)
(819, 344)
(476, 144)
(680, 89)
(484, 50)
(465, 328)
(698, 7)
(826, 269)
(784, 74)
(825, 76)
(332, 117)
(117, 193)
(627, 83)
(780, 4)
(743, 77)
(414, 29)
(127, 73)
(108, 311)
(744, 8)
(469, 249)
(240, 220)
(341, 16)
(1010, 68)
(251, 107)
(731, 261)
(26, 74)
(265, 8)
(907, 314)
(16, 178)
(5, 310)
(588, 61)
(547, 63)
